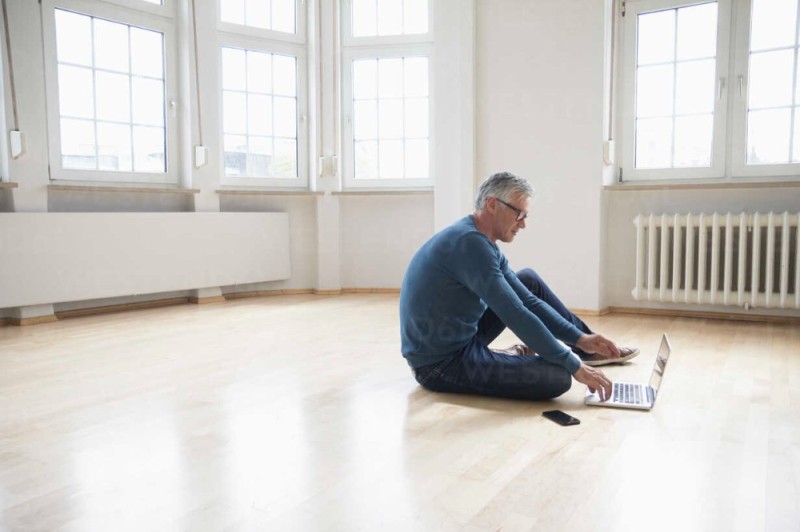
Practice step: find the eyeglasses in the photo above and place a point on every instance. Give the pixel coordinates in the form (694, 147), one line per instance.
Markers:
(521, 215)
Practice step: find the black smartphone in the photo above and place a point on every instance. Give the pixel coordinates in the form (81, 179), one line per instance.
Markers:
(562, 418)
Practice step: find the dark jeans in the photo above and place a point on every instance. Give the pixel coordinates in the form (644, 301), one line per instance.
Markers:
(479, 370)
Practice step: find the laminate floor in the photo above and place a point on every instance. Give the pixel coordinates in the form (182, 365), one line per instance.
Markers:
(298, 413)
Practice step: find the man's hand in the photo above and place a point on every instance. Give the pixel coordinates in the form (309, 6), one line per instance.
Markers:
(598, 345)
(595, 379)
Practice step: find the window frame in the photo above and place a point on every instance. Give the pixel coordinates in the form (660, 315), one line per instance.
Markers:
(242, 30)
(383, 47)
(741, 70)
(227, 40)
(348, 162)
(145, 18)
(349, 40)
(719, 139)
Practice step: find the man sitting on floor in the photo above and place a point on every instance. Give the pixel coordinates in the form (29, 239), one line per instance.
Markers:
(459, 294)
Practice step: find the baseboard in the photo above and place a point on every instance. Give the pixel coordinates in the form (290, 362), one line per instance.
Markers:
(586, 312)
(111, 309)
(32, 321)
(731, 316)
(318, 292)
(370, 290)
(204, 300)
(269, 293)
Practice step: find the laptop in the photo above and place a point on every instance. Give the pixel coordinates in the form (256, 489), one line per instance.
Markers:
(637, 396)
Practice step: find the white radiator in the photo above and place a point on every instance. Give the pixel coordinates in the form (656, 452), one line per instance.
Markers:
(58, 257)
(746, 259)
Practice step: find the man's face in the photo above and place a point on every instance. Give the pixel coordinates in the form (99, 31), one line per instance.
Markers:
(509, 217)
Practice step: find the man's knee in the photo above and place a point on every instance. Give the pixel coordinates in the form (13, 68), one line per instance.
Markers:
(560, 383)
(529, 278)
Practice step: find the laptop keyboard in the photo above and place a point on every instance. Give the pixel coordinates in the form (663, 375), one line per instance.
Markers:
(628, 393)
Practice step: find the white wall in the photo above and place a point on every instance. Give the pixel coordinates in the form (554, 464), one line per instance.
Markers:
(540, 83)
(379, 235)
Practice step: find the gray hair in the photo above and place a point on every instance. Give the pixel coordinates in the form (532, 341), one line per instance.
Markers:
(502, 185)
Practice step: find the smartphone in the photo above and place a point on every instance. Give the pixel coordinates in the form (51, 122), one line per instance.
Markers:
(562, 418)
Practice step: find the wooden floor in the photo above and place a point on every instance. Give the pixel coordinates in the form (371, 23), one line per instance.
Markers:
(298, 413)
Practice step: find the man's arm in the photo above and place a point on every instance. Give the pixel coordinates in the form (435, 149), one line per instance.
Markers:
(476, 264)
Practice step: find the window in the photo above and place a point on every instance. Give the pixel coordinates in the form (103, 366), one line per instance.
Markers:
(771, 116)
(259, 96)
(684, 101)
(263, 87)
(277, 15)
(108, 87)
(387, 93)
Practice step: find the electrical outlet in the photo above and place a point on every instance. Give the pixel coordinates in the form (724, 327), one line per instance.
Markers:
(16, 143)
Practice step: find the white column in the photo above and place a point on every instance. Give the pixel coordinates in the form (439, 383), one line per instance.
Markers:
(453, 99)
(30, 170)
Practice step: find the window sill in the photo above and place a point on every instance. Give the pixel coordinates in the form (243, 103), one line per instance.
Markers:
(8, 184)
(264, 191)
(157, 189)
(386, 192)
(701, 186)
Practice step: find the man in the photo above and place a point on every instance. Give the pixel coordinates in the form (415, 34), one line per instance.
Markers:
(459, 294)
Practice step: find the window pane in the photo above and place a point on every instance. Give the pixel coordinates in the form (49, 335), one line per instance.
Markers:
(148, 102)
(415, 76)
(697, 31)
(390, 159)
(656, 37)
(771, 79)
(77, 144)
(75, 92)
(235, 155)
(768, 136)
(390, 119)
(365, 17)
(284, 74)
(259, 72)
(390, 78)
(259, 114)
(122, 104)
(148, 149)
(415, 16)
(417, 164)
(147, 53)
(654, 92)
(110, 46)
(73, 38)
(693, 136)
(113, 97)
(365, 79)
(390, 17)
(773, 24)
(259, 157)
(365, 119)
(653, 142)
(257, 13)
(366, 160)
(232, 11)
(416, 118)
(114, 147)
(283, 15)
(234, 71)
(234, 111)
(695, 87)
(796, 139)
(285, 158)
(285, 117)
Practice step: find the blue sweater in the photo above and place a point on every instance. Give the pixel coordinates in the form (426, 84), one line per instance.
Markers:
(449, 284)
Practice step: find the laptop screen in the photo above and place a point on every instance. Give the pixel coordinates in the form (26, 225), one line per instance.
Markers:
(661, 362)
